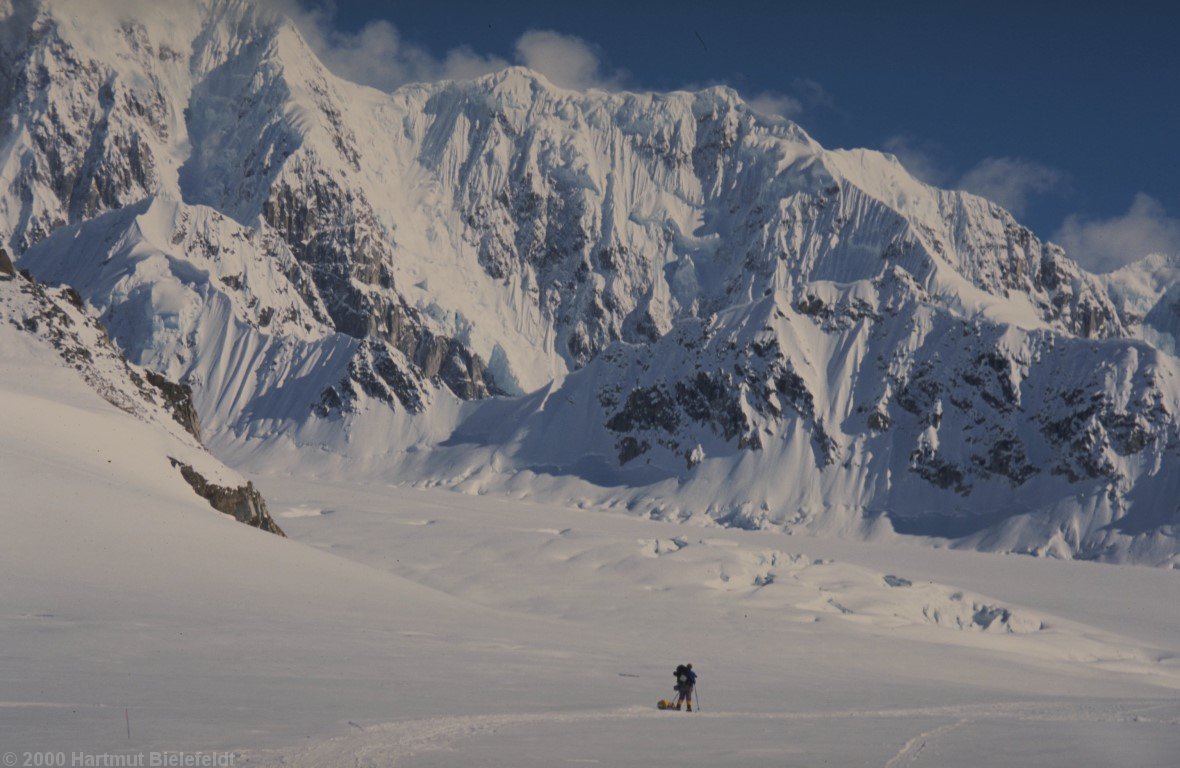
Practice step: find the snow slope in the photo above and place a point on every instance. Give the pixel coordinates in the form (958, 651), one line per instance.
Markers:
(806, 652)
(58, 361)
(444, 283)
(431, 628)
(1146, 294)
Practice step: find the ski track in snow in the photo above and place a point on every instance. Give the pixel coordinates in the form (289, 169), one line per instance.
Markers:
(916, 746)
(387, 744)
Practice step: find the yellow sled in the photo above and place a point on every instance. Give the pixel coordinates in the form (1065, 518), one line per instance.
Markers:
(665, 704)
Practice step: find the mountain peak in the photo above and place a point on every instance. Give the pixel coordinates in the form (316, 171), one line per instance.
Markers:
(515, 77)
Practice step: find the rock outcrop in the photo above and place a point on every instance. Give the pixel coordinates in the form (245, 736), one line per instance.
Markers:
(243, 503)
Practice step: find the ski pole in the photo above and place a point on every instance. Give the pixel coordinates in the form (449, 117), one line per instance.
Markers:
(696, 692)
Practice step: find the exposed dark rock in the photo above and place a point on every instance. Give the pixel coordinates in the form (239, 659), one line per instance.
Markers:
(83, 344)
(6, 267)
(74, 341)
(1129, 433)
(384, 373)
(630, 448)
(826, 447)
(334, 233)
(1072, 301)
(89, 133)
(178, 399)
(383, 378)
(846, 313)
(644, 328)
(986, 615)
(812, 306)
(1007, 457)
(791, 388)
(330, 402)
(920, 391)
(712, 398)
(879, 421)
(244, 503)
(1093, 425)
(463, 372)
(646, 408)
(751, 440)
(73, 297)
(934, 469)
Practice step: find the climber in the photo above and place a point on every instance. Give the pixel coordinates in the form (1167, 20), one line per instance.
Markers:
(686, 681)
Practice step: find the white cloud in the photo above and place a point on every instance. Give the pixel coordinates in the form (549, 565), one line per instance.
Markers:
(803, 95)
(376, 54)
(1100, 245)
(1011, 181)
(775, 104)
(463, 63)
(921, 158)
(812, 93)
(1103, 245)
(1008, 181)
(568, 61)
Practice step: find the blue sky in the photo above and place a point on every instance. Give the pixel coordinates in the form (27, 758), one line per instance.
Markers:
(1067, 113)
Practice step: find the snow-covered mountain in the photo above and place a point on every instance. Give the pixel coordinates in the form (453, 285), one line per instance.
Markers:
(667, 301)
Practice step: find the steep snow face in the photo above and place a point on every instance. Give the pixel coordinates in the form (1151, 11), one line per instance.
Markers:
(1147, 294)
(56, 357)
(229, 310)
(94, 100)
(221, 104)
(619, 214)
(861, 405)
(726, 315)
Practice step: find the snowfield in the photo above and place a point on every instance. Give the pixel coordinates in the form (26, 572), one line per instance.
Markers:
(428, 628)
